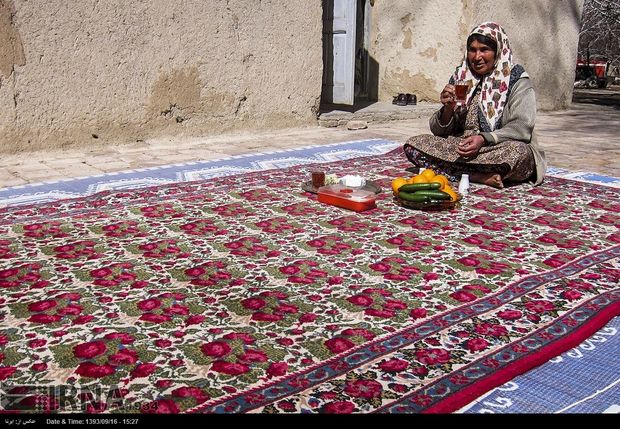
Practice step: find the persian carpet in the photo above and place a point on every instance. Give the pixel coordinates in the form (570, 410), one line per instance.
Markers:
(588, 381)
(245, 294)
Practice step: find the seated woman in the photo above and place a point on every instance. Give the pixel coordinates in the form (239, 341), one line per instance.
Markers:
(492, 137)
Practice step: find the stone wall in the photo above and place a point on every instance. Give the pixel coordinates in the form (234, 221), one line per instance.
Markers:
(101, 72)
(418, 43)
(88, 73)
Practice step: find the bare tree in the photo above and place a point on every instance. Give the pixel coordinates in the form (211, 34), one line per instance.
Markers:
(600, 31)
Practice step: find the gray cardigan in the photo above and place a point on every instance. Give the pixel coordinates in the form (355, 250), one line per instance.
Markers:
(518, 122)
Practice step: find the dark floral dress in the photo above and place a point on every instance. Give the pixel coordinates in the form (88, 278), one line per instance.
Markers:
(513, 160)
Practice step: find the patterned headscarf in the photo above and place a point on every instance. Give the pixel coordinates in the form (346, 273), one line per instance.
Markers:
(495, 85)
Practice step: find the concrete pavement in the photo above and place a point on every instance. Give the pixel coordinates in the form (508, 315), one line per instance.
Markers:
(585, 137)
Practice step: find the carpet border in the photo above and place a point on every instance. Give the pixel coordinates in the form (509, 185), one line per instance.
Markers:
(470, 393)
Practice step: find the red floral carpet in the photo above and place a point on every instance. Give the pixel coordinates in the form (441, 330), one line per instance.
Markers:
(244, 294)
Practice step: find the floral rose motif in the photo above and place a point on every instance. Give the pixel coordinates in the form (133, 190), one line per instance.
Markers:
(89, 350)
(269, 306)
(7, 249)
(230, 368)
(332, 245)
(420, 223)
(25, 275)
(377, 303)
(557, 260)
(394, 365)
(491, 329)
(123, 357)
(115, 275)
(240, 357)
(51, 229)
(303, 272)
(41, 306)
(510, 314)
(571, 295)
(250, 247)
(301, 209)
(143, 370)
(7, 371)
(476, 344)
(123, 337)
(123, 229)
(350, 224)
(53, 310)
(560, 240)
(488, 222)
(89, 369)
(162, 249)
(409, 242)
(277, 226)
(549, 205)
(339, 407)
(216, 349)
(202, 227)
(77, 250)
(433, 356)
(366, 389)
(553, 222)
(277, 369)
(540, 306)
(235, 210)
(164, 210)
(212, 273)
(191, 392)
(486, 242)
(463, 296)
(344, 341)
(338, 344)
(483, 264)
(418, 313)
(394, 268)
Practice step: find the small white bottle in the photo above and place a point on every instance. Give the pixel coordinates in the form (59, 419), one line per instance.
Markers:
(464, 185)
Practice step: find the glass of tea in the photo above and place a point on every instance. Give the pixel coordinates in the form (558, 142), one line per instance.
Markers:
(318, 178)
(460, 90)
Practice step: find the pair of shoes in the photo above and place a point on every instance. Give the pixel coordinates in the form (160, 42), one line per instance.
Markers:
(400, 100)
(405, 99)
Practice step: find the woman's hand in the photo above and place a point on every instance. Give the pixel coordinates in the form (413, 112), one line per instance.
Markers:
(448, 97)
(470, 146)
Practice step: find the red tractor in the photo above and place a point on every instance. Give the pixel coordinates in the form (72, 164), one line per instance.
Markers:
(593, 72)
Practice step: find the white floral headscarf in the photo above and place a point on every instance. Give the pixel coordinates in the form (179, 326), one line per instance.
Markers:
(495, 85)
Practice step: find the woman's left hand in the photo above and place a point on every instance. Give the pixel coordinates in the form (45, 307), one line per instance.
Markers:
(470, 146)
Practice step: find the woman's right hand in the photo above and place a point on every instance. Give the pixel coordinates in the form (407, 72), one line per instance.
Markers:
(448, 97)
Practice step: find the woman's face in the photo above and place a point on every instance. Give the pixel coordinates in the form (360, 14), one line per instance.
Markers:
(481, 58)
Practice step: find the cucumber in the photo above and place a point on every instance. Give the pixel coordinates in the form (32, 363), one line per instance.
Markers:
(415, 197)
(434, 194)
(414, 187)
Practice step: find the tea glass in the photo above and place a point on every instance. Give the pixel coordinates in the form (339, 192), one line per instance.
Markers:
(460, 90)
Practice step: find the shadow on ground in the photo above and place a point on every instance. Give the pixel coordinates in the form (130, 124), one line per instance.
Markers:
(604, 97)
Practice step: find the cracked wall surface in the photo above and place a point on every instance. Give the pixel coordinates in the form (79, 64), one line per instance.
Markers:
(418, 43)
(127, 71)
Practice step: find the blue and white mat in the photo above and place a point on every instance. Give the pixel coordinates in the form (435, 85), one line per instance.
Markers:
(585, 379)
(190, 171)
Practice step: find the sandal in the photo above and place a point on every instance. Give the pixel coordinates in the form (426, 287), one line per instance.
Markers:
(400, 100)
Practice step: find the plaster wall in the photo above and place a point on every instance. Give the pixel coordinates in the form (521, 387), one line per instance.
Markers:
(418, 43)
(87, 72)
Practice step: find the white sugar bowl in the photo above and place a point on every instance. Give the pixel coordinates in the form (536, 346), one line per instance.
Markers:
(353, 181)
